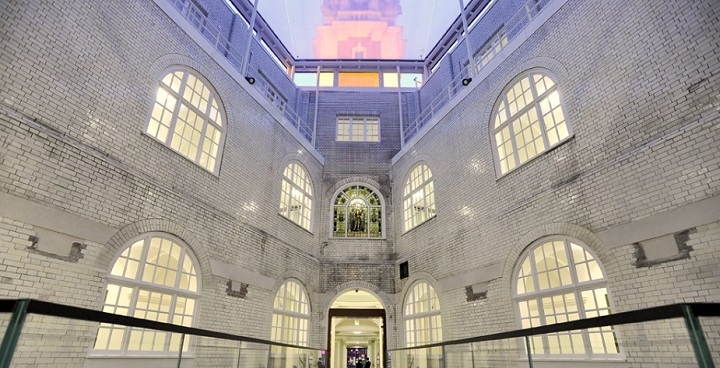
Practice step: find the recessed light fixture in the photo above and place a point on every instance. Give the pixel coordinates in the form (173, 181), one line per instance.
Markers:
(357, 332)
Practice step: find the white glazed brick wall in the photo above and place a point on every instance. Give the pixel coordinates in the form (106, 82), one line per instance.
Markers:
(644, 110)
(645, 115)
(76, 93)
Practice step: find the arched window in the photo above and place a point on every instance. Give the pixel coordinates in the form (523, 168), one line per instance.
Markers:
(560, 280)
(422, 316)
(155, 277)
(418, 197)
(357, 213)
(528, 120)
(291, 314)
(296, 198)
(188, 117)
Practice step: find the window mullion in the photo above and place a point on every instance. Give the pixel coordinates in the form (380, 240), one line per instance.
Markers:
(131, 313)
(176, 113)
(511, 131)
(198, 155)
(541, 120)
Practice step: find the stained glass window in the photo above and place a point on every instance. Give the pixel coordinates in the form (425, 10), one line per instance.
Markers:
(357, 213)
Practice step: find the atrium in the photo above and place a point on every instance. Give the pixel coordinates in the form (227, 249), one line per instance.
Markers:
(357, 177)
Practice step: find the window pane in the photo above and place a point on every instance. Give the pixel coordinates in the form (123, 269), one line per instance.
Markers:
(189, 108)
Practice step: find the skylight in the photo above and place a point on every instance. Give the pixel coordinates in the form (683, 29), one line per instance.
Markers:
(359, 29)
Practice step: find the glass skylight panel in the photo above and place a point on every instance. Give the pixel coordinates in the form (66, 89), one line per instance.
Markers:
(313, 29)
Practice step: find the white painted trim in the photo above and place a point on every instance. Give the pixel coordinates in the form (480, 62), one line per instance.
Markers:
(57, 220)
(691, 215)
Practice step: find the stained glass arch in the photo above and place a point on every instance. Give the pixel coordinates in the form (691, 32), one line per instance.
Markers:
(358, 212)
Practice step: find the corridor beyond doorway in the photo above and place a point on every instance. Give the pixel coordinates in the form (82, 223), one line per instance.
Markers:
(356, 331)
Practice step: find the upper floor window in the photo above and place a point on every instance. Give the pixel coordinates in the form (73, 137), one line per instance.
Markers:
(154, 278)
(560, 280)
(297, 195)
(491, 48)
(528, 120)
(358, 128)
(291, 315)
(422, 316)
(357, 213)
(188, 117)
(418, 197)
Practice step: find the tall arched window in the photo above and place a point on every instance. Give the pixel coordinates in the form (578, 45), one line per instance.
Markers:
(418, 197)
(560, 280)
(291, 314)
(297, 195)
(357, 213)
(155, 277)
(422, 315)
(528, 120)
(188, 117)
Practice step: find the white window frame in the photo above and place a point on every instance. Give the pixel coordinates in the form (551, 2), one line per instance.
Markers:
(299, 316)
(180, 100)
(575, 288)
(138, 285)
(354, 120)
(306, 193)
(383, 218)
(426, 316)
(535, 104)
(429, 209)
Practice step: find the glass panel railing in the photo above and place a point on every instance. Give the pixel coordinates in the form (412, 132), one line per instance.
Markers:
(52, 335)
(679, 335)
(711, 328)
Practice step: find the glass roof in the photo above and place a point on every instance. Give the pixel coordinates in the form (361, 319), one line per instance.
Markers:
(359, 29)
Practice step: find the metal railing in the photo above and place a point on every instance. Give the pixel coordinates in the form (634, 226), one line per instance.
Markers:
(514, 26)
(216, 36)
(236, 349)
(442, 352)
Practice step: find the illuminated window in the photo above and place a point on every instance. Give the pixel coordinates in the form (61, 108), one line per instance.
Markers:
(528, 120)
(422, 316)
(560, 280)
(297, 195)
(358, 128)
(357, 213)
(291, 315)
(418, 197)
(355, 79)
(153, 278)
(187, 117)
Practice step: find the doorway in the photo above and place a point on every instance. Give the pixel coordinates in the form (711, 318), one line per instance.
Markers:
(356, 331)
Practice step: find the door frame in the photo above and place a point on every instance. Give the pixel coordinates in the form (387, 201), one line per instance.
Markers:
(356, 313)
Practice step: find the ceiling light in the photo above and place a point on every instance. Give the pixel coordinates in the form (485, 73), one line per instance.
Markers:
(357, 332)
